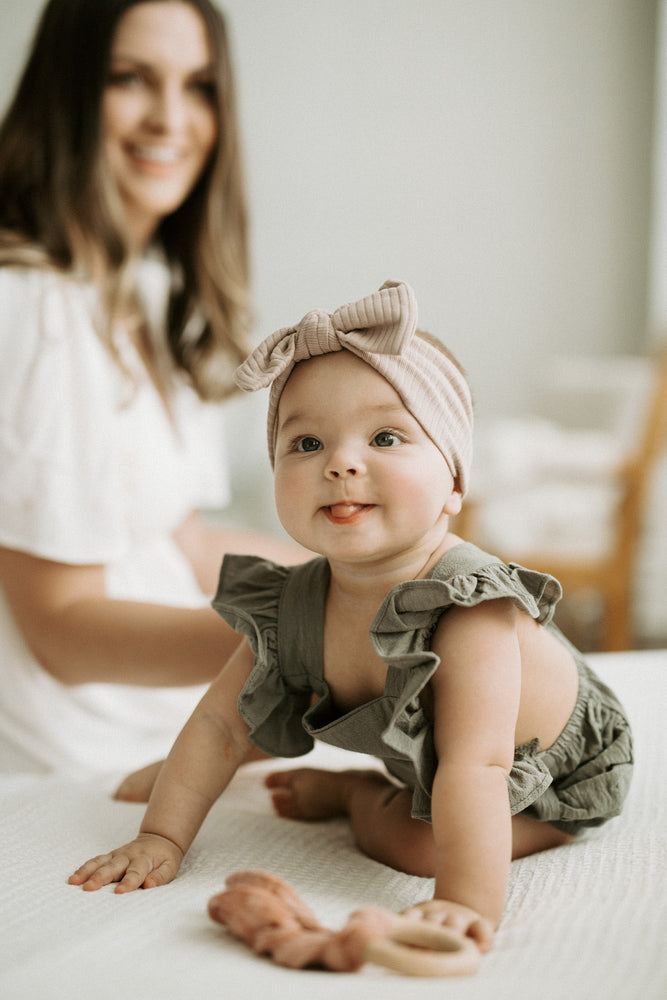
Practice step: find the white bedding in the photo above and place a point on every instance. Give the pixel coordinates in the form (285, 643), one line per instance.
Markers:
(583, 922)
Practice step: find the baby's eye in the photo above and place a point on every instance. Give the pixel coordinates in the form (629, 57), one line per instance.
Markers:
(386, 439)
(308, 444)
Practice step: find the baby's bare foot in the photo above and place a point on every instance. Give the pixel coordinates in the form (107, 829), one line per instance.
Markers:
(309, 793)
(137, 787)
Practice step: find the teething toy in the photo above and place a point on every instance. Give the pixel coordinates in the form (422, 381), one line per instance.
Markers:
(268, 915)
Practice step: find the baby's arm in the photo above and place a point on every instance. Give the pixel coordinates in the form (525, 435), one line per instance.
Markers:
(202, 762)
(476, 694)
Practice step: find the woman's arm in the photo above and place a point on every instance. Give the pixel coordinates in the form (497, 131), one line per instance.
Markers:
(202, 762)
(80, 635)
(205, 544)
(476, 702)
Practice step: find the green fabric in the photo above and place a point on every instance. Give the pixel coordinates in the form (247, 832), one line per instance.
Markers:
(281, 610)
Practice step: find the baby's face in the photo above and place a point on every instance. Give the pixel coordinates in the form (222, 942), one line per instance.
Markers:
(356, 476)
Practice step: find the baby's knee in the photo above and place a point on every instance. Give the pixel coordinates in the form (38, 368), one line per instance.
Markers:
(530, 836)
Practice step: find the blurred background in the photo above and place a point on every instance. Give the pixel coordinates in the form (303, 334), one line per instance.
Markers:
(508, 158)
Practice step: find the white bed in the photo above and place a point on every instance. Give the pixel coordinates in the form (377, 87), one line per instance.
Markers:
(583, 922)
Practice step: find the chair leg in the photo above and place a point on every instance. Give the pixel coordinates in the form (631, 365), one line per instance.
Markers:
(617, 622)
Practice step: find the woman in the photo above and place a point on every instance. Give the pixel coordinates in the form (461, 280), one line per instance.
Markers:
(123, 293)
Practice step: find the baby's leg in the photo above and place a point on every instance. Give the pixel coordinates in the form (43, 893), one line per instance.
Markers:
(379, 813)
(137, 787)
(530, 836)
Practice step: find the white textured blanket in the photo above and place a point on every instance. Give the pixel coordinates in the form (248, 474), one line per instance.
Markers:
(583, 922)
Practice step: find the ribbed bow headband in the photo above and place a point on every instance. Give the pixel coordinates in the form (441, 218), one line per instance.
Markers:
(381, 330)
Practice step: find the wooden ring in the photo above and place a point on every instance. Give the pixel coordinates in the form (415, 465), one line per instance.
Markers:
(420, 948)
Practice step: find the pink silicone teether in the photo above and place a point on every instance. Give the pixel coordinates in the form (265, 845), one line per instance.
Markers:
(268, 915)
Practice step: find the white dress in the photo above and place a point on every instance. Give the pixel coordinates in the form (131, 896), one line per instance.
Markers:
(92, 471)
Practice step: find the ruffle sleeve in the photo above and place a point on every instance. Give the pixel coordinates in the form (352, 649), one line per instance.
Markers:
(57, 488)
(476, 577)
(92, 466)
(276, 700)
(278, 691)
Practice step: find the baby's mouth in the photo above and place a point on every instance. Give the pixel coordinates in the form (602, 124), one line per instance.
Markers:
(346, 512)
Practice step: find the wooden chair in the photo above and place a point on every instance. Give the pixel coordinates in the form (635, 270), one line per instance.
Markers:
(612, 575)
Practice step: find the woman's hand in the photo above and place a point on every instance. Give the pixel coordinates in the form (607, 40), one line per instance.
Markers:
(455, 915)
(146, 862)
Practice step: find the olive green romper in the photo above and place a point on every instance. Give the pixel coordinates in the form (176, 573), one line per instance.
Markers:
(581, 780)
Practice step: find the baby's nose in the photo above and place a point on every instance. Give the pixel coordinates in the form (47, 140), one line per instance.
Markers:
(338, 473)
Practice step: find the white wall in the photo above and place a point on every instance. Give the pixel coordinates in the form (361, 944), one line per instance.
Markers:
(658, 232)
(494, 153)
(650, 605)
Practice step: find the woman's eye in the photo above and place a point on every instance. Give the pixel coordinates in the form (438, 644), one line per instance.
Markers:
(385, 439)
(125, 78)
(308, 444)
(205, 89)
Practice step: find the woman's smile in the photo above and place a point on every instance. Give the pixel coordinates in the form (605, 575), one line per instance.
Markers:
(159, 117)
(155, 155)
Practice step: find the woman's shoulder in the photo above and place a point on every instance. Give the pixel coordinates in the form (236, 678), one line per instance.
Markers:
(21, 286)
(38, 303)
(54, 377)
(32, 279)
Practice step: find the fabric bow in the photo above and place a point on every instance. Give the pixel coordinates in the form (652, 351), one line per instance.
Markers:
(381, 323)
(381, 330)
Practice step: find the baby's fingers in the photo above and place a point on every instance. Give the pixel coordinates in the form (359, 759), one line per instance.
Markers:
(102, 870)
(154, 877)
(149, 861)
(459, 918)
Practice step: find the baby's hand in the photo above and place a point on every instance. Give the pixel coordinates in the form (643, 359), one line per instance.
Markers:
(148, 861)
(461, 918)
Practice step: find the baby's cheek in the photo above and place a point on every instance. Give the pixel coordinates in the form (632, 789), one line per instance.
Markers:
(292, 497)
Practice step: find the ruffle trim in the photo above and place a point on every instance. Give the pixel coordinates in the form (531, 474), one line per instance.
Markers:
(418, 604)
(248, 599)
(401, 633)
(529, 778)
(249, 596)
(527, 782)
(249, 590)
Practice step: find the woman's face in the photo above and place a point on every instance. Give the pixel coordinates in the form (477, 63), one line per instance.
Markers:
(158, 113)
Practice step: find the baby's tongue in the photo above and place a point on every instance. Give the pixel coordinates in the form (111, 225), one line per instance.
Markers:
(345, 509)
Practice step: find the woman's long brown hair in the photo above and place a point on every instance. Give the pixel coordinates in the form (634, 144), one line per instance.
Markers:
(59, 207)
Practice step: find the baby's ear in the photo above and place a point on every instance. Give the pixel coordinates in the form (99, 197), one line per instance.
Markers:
(455, 500)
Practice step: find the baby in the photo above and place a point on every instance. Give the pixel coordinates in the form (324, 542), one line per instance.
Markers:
(401, 641)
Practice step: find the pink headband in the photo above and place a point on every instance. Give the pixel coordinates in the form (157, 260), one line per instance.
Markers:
(379, 329)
